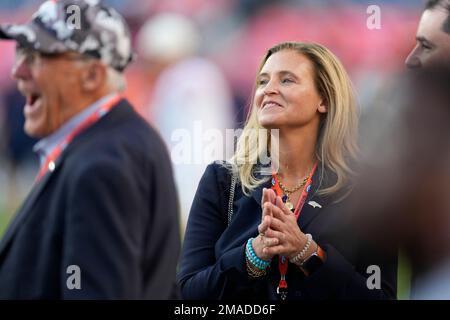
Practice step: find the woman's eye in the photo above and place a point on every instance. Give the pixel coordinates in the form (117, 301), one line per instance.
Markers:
(262, 82)
(287, 80)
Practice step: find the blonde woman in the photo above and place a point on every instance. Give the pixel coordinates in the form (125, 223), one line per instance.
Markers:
(288, 237)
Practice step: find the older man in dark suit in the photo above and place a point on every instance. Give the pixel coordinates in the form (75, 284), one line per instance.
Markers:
(101, 220)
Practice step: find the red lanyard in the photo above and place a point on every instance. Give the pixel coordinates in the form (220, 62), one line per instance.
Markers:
(49, 163)
(282, 260)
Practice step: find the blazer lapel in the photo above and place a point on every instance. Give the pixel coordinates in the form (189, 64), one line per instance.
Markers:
(315, 203)
(25, 209)
(311, 210)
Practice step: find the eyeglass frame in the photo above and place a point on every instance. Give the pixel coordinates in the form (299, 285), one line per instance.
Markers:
(32, 55)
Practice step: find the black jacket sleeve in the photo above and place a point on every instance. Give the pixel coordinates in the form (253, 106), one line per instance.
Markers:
(202, 274)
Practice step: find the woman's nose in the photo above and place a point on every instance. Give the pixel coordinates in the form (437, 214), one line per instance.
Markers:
(271, 87)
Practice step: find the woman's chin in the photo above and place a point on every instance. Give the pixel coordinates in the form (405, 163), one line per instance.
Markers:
(269, 123)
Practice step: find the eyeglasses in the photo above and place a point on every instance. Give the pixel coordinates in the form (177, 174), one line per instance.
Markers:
(32, 57)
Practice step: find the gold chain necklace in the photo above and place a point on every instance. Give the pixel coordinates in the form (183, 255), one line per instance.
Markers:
(288, 191)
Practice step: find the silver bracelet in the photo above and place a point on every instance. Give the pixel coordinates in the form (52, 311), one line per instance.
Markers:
(301, 254)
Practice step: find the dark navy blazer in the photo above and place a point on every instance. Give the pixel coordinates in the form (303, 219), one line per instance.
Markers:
(212, 264)
(110, 208)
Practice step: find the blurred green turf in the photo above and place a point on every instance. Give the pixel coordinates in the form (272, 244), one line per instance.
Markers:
(403, 278)
(4, 219)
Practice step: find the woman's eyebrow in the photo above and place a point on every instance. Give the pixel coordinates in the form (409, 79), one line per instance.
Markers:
(288, 73)
(281, 72)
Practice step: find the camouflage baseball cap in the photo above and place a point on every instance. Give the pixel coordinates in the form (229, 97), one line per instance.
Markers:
(85, 26)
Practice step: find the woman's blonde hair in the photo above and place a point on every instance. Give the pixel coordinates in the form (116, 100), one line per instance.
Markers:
(336, 146)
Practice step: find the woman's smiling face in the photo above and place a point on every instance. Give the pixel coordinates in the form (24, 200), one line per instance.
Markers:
(286, 94)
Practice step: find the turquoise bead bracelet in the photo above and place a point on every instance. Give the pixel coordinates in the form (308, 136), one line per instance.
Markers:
(254, 259)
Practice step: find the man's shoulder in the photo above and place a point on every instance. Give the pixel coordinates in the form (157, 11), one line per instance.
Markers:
(123, 120)
(122, 127)
(121, 138)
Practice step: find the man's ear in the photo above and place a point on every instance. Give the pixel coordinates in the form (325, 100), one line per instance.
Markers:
(93, 76)
(323, 106)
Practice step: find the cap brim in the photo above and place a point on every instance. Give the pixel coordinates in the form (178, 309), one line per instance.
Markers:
(4, 34)
(32, 36)
(23, 34)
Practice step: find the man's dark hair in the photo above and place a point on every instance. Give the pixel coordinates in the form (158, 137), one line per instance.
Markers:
(431, 4)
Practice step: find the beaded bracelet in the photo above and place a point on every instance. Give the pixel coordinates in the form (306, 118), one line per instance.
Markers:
(252, 271)
(253, 258)
(301, 254)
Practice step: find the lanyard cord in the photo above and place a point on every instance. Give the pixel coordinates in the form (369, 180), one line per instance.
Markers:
(282, 288)
(49, 163)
